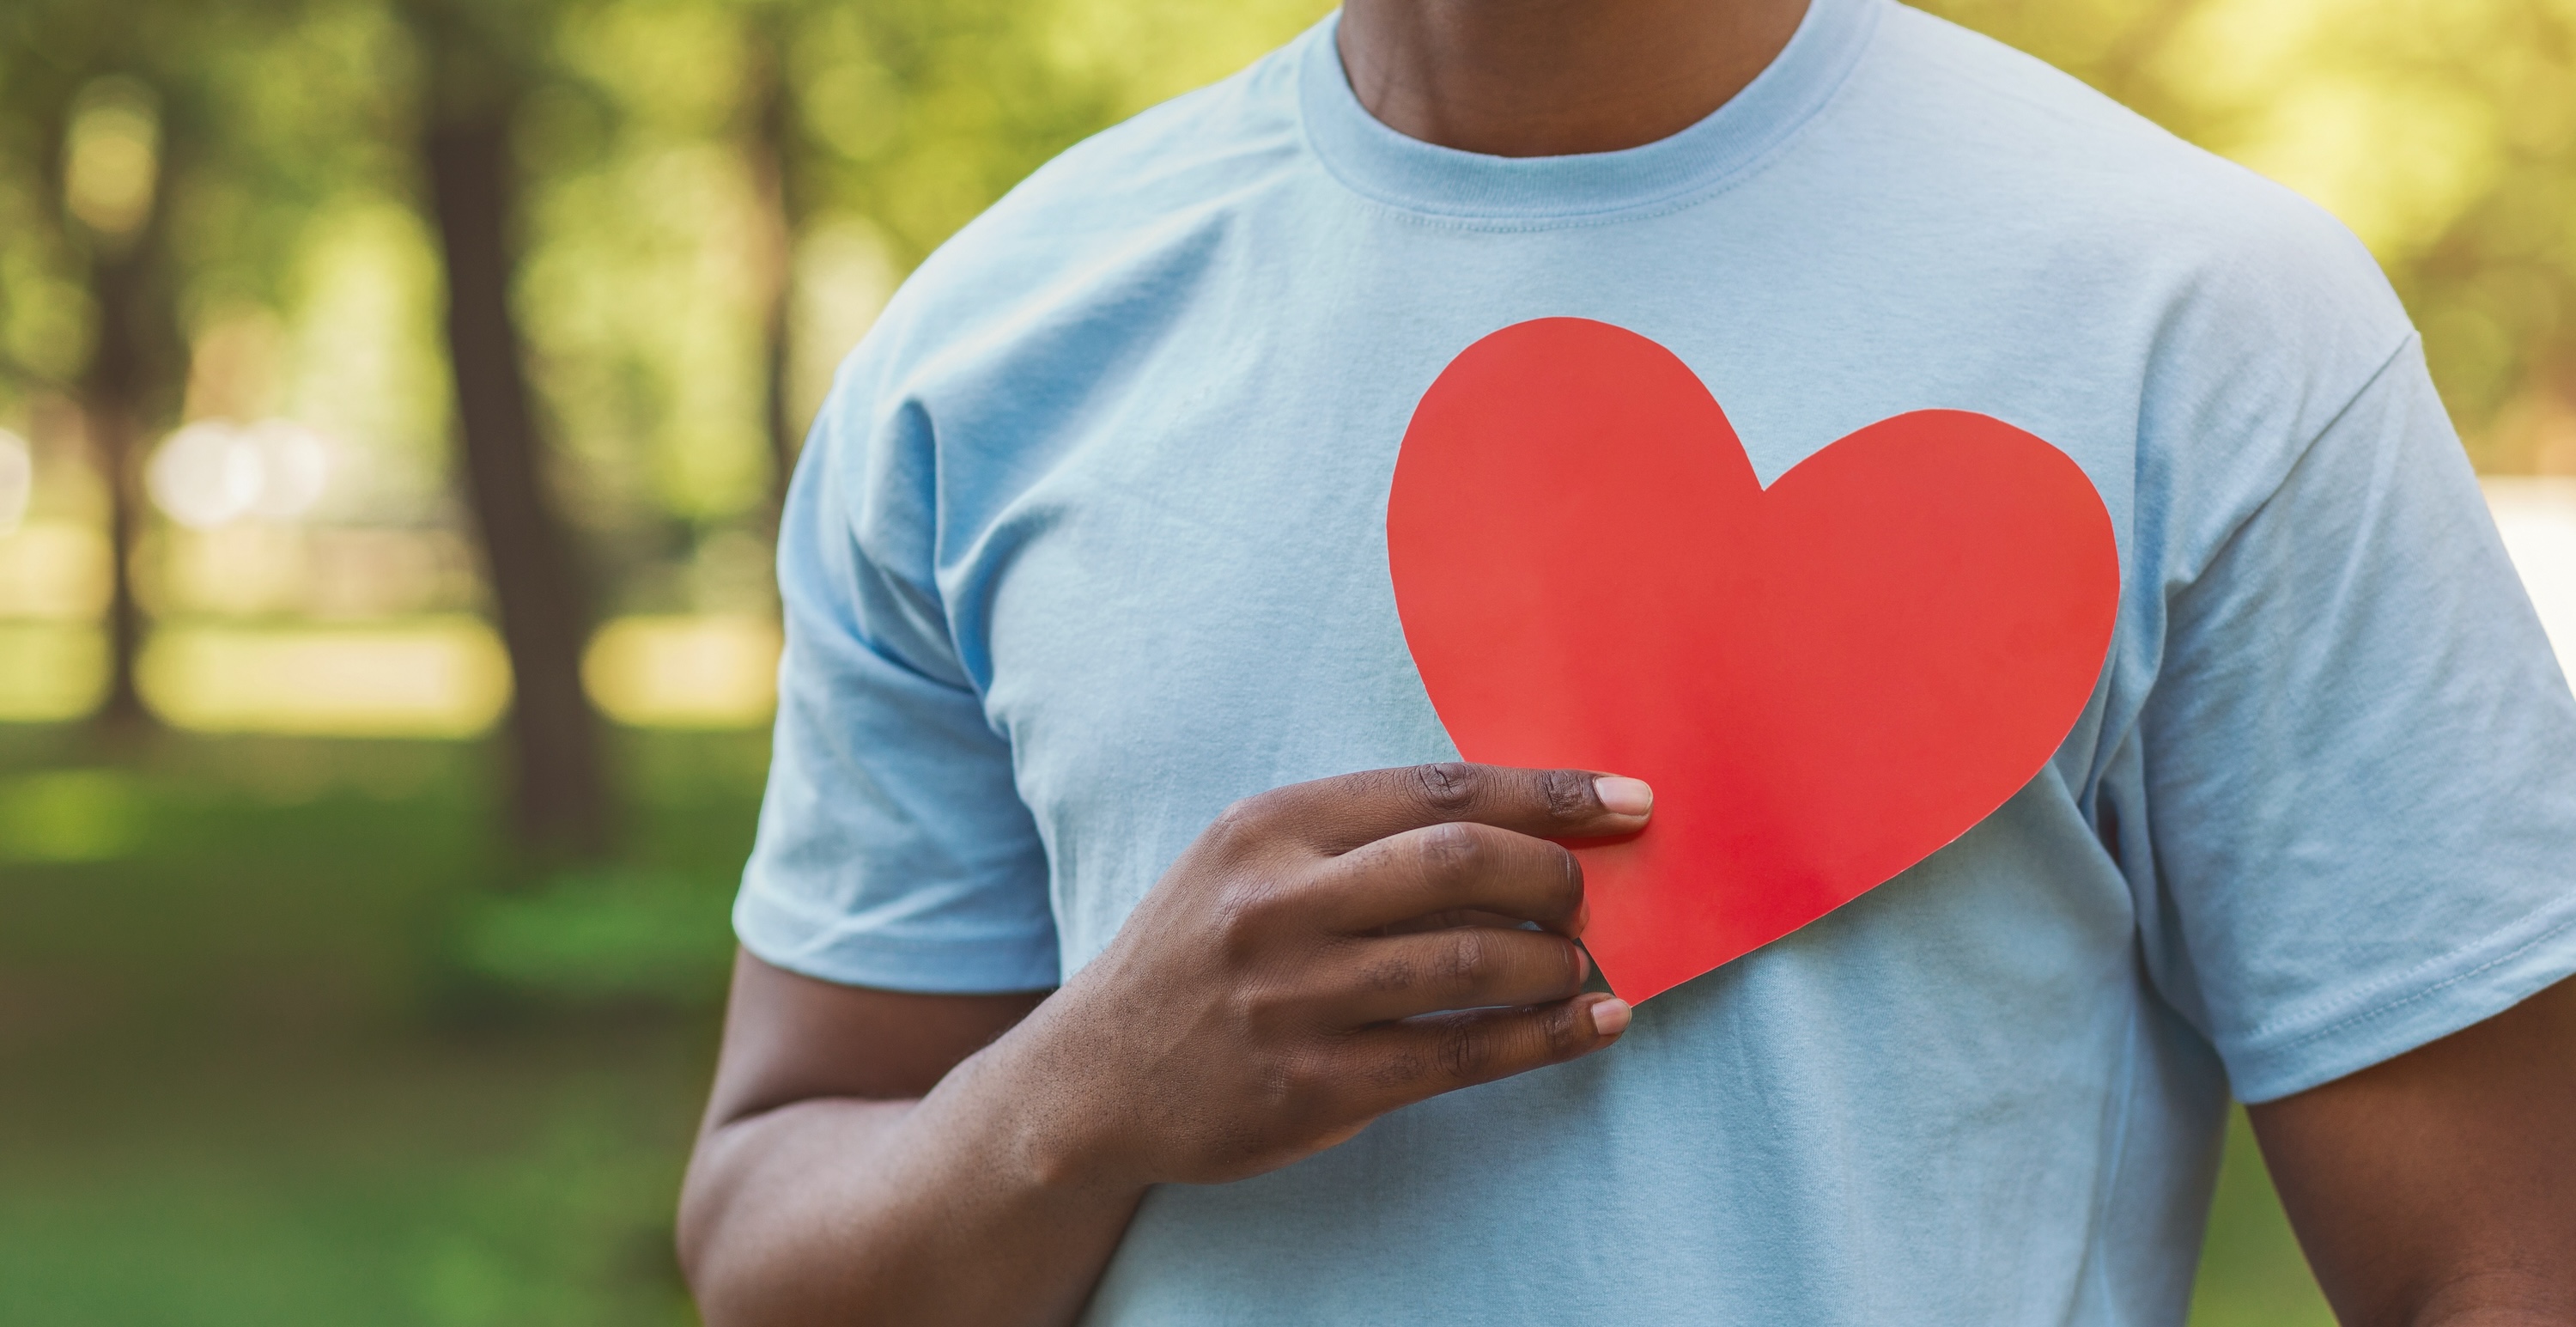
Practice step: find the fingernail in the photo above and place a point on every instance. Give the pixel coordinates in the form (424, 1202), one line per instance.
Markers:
(1582, 967)
(1610, 1017)
(1623, 796)
(1582, 919)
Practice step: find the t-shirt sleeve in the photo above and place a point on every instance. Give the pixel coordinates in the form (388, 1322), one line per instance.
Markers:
(893, 849)
(2359, 762)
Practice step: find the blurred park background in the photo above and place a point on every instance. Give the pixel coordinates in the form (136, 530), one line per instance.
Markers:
(393, 401)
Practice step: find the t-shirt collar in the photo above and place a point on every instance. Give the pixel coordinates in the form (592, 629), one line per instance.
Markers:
(1423, 177)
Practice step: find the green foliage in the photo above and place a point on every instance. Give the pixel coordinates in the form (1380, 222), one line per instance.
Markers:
(2444, 134)
(607, 936)
(690, 163)
(251, 1095)
(298, 1050)
(2251, 1271)
(523, 1180)
(71, 815)
(240, 1083)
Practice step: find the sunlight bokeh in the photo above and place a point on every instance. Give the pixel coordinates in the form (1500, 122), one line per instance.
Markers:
(713, 201)
(309, 481)
(437, 677)
(51, 672)
(706, 671)
(446, 676)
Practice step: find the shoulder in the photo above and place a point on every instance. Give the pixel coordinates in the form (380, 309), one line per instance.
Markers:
(2063, 173)
(2214, 321)
(2245, 316)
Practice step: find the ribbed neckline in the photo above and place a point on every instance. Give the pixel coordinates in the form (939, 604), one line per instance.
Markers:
(1423, 177)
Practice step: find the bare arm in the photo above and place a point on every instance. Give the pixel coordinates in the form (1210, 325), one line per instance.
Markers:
(2440, 1188)
(1315, 959)
(816, 1126)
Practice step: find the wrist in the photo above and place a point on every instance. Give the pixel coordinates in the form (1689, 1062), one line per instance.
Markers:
(1039, 1121)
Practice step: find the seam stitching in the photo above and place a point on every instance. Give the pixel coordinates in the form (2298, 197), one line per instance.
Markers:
(2379, 1011)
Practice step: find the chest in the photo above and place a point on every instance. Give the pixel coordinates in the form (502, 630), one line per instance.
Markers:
(1186, 597)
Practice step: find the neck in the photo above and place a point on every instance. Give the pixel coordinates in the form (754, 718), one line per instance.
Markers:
(1543, 78)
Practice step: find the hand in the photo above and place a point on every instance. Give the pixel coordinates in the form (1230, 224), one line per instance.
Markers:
(1322, 954)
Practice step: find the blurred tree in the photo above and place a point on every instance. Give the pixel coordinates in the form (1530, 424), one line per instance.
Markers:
(87, 101)
(663, 220)
(114, 161)
(890, 124)
(481, 59)
(776, 153)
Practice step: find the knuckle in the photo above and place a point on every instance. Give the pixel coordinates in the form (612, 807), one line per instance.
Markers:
(1563, 1029)
(1245, 914)
(1467, 956)
(1398, 1071)
(1447, 788)
(1268, 1014)
(1238, 826)
(1568, 793)
(1451, 849)
(1300, 1076)
(1395, 972)
(1312, 1085)
(1274, 1085)
(1464, 1049)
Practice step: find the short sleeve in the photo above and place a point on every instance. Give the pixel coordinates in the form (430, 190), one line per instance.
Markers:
(893, 849)
(2359, 762)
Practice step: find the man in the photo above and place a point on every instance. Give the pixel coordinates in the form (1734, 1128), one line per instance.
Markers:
(1095, 676)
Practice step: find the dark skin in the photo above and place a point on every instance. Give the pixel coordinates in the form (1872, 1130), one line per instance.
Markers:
(2440, 1187)
(1545, 78)
(1300, 971)
(872, 1156)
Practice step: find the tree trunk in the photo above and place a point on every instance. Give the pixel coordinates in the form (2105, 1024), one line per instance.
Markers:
(559, 796)
(113, 406)
(135, 377)
(770, 150)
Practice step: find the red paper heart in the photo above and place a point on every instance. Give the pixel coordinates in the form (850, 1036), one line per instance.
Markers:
(1825, 681)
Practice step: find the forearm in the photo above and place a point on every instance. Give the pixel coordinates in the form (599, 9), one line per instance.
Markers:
(950, 1209)
(1271, 995)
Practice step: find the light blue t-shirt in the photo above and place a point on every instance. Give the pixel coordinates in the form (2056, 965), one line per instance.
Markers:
(1090, 541)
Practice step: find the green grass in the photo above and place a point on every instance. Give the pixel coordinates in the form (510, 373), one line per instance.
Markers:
(510, 1179)
(2251, 1271)
(285, 1037)
(282, 1038)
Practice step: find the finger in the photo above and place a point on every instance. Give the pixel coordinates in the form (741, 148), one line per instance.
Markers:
(1469, 967)
(1447, 868)
(1340, 813)
(1423, 1057)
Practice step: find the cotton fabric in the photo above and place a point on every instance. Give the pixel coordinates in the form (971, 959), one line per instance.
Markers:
(1089, 542)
